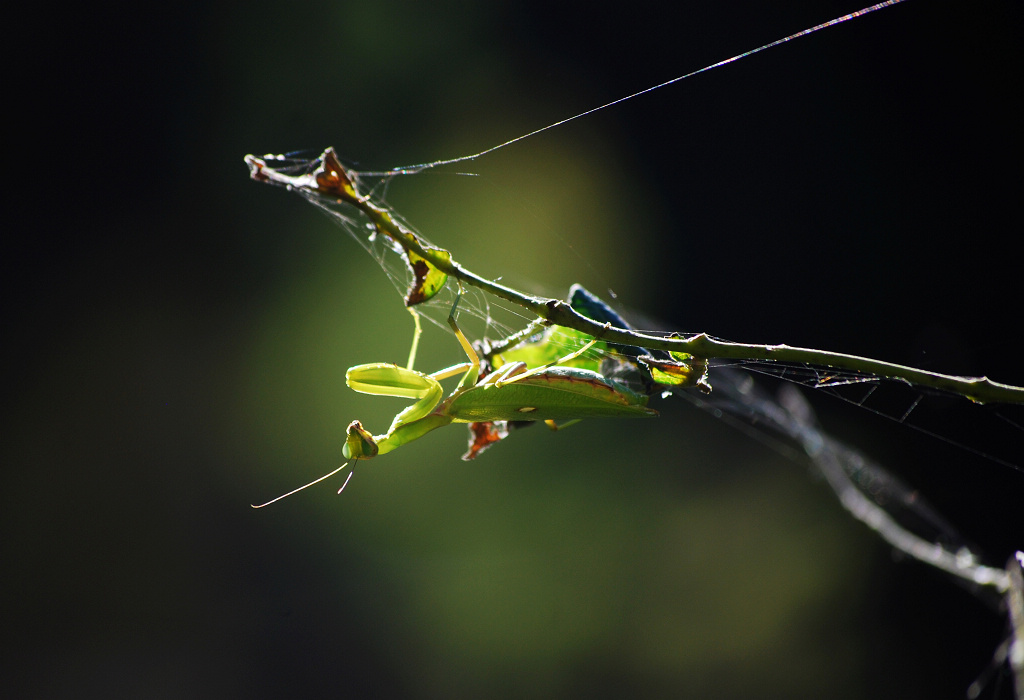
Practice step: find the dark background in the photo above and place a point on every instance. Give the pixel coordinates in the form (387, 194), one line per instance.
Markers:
(177, 338)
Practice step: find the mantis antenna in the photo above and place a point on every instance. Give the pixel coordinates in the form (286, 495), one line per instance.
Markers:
(317, 481)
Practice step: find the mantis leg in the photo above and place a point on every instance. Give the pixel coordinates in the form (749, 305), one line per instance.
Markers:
(360, 444)
(382, 379)
(556, 427)
(473, 373)
(415, 337)
(537, 370)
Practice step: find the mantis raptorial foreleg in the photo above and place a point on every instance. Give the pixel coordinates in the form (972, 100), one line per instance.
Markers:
(382, 379)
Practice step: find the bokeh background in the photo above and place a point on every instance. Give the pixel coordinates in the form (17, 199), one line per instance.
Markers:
(177, 338)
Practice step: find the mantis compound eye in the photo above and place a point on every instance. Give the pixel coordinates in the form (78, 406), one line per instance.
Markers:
(359, 444)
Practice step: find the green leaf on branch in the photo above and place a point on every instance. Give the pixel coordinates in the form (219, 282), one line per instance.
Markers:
(427, 280)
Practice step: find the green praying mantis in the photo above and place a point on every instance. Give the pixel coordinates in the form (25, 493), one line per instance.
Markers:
(558, 387)
(550, 392)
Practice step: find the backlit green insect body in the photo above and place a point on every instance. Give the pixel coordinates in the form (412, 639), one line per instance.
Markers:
(550, 392)
(557, 393)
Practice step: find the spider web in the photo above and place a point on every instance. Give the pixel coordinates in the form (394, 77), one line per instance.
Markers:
(480, 315)
(987, 431)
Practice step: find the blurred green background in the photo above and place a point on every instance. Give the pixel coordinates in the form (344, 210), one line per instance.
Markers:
(178, 338)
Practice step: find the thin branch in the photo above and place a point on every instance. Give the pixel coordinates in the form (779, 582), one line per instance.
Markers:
(331, 180)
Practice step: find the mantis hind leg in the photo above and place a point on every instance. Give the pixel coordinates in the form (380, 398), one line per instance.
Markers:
(556, 427)
(537, 370)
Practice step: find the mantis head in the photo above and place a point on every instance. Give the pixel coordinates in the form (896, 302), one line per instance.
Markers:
(359, 443)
